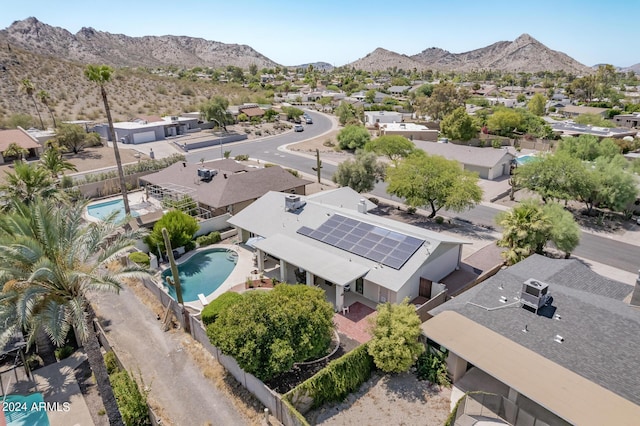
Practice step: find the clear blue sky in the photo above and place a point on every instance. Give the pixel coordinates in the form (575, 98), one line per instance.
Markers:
(339, 32)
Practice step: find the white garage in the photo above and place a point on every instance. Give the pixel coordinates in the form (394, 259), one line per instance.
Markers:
(143, 137)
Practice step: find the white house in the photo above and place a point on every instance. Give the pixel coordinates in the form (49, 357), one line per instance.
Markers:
(329, 238)
(373, 117)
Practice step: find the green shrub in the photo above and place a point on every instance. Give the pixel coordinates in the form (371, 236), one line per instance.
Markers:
(338, 379)
(212, 310)
(180, 226)
(66, 182)
(111, 362)
(131, 401)
(411, 210)
(210, 238)
(439, 220)
(243, 157)
(140, 258)
(432, 366)
(374, 200)
(189, 245)
(63, 352)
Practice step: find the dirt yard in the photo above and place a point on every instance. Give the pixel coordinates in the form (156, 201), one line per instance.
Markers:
(399, 399)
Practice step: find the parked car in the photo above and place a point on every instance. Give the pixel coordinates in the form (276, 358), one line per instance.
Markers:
(298, 128)
(308, 120)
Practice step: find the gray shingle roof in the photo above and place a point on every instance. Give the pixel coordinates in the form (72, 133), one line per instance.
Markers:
(601, 332)
(484, 157)
(240, 184)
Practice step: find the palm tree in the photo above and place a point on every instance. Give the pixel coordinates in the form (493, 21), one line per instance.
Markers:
(50, 261)
(45, 99)
(53, 161)
(29, 89)
(101, 74)
(526, 229)
(26, 183)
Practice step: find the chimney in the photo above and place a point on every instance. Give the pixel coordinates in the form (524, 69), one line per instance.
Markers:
(362, 206)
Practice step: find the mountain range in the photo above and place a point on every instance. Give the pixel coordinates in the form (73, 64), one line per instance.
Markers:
(92, 46)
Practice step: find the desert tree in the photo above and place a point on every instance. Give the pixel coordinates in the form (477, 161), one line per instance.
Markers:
(360, 174)
(432, 180)
(459, 126)
(101, 75)
(394, 147)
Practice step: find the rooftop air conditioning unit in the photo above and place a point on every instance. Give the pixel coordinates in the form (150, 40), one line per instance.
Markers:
(206, 174)
(292, 202)
(534, 294)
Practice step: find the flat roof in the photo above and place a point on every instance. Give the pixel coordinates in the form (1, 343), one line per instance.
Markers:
(558, 389)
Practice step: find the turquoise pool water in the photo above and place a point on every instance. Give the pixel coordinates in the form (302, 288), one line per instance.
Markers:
(102, 210)
(524, 159)
(202, 273)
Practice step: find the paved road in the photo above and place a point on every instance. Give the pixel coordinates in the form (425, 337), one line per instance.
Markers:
(142, 346)
(601, 249)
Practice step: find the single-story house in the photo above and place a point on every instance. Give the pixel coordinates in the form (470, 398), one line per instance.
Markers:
(555, 339)
(575, 110)
(251, 111)
(489, 163)
(627, 120)
(410, 131)
(378, 97)
(373, 117)
(507, 102)
(220, 186)
(330, 239)
(398, 90)
(140, 130)
(22, 138)
(568, 128)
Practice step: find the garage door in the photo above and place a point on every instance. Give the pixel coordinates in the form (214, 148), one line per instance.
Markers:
(143, 137)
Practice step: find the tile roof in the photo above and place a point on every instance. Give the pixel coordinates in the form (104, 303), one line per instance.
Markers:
(252, 112)
(18, 136)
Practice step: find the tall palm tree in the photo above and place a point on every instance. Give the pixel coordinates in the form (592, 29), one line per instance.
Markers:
(29, 89)
(53, 161)
(101, 74)
(26, 183)
(45, 99)
(50, 260)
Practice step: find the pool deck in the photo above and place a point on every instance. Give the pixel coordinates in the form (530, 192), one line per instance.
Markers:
(138, 202)
(238, 275)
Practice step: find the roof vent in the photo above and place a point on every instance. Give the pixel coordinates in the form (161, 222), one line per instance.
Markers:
(534, 295)
(362, 206)
(558, 338)
(503, 299)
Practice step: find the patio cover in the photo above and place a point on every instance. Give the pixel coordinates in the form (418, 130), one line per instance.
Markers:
(561, 391)
(332, 268)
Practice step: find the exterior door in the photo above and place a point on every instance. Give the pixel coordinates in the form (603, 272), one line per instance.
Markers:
(425, 288)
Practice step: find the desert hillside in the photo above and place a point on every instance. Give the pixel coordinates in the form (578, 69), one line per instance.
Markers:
(92, 46)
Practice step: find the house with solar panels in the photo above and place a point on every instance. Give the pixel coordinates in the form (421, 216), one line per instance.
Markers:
(330, 239)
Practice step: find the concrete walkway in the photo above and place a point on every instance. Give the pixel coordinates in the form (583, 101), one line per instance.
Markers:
(176, 383)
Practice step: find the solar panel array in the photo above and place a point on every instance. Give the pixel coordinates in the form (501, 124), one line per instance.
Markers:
(372, 242)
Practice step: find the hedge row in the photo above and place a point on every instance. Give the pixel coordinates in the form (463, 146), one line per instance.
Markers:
(132, 402)
(338, 379)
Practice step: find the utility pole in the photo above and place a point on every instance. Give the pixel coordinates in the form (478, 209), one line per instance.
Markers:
(318, 166)
(176, 279)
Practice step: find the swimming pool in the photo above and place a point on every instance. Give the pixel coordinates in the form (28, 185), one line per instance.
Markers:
(202, 273)
(524, 159)
(105, 208)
